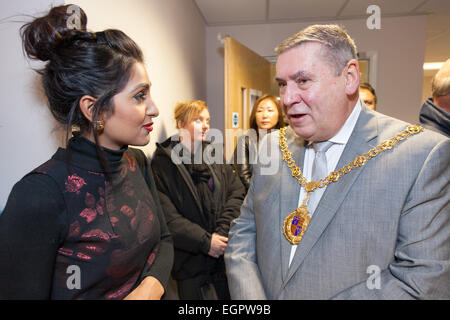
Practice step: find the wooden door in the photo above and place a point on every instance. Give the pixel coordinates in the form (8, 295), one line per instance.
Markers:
(247, 76)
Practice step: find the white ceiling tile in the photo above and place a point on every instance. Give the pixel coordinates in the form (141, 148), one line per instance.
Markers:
(220, 11)
(359, 7)
(298, 9)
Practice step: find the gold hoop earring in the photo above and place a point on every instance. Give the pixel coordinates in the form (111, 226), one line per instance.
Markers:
(99, 126)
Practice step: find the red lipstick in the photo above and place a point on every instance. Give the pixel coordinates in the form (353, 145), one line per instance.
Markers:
(148, 126)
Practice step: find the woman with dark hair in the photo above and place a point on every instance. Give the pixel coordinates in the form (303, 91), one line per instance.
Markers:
(200, 198)
(266, 115)
(87, 224)
(367, 95)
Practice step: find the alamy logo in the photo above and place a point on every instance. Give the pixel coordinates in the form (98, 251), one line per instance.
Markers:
(374, 20)
(214, 152)
(374, 280)
(74, 21)
(74, 280)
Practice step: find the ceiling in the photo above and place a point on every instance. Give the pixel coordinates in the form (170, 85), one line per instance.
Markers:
(239, 12)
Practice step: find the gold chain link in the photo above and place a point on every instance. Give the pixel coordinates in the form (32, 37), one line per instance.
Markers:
(359, 161)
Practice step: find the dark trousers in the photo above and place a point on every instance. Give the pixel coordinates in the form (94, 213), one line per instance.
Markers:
(204, 287)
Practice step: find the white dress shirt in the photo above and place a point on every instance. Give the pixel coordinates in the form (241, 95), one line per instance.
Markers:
(333, 154)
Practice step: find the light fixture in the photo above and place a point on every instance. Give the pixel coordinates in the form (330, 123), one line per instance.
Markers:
(432, 65)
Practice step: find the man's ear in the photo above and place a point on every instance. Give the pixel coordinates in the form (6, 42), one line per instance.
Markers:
(87, 106)
(351, 77)
(180, 124)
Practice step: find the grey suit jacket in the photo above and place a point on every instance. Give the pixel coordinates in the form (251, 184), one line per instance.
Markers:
(391, 215)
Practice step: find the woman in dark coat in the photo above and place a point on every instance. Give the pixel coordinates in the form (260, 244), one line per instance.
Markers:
(199, 199)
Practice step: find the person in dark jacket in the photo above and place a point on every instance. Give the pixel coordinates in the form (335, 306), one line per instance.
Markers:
(200, 198)
(88, 224)
(266, 115)
(435, 112)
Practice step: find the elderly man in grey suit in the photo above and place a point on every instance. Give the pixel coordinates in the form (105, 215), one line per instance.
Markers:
(345, 203)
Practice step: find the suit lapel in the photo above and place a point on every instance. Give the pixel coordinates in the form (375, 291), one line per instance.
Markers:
(365, 130)
(290, 191)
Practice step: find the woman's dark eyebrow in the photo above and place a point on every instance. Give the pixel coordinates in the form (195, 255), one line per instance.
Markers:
(141, 86)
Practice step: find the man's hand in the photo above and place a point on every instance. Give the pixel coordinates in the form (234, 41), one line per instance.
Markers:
(218, 245)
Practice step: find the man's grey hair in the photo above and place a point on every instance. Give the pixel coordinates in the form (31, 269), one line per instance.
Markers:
(440, 86)
(339, 47)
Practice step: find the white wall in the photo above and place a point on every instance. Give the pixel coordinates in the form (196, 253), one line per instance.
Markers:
(27, 136)
(171, 34)
(400, 44)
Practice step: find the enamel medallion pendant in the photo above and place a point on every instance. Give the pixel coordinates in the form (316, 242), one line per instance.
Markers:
(295, 225)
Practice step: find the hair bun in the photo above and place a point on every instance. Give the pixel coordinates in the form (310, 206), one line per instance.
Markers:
(41, 36)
